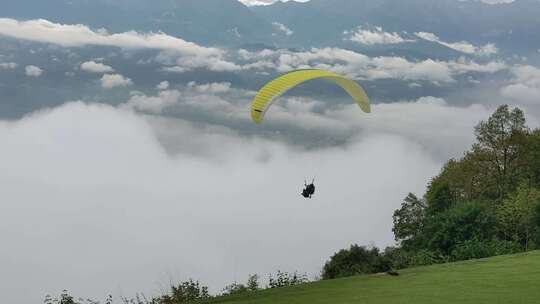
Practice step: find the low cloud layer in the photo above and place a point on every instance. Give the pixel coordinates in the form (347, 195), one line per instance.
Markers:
(111, 211)
(462, 46)
(187, 54)
(79, 35)
(361, 66)
(524, 87)
(179, 56)
(124, 202)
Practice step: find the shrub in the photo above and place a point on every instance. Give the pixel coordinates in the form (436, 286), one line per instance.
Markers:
(354, 261)
(428, 257)
(476, 249)
(187, 292)
(284, 279)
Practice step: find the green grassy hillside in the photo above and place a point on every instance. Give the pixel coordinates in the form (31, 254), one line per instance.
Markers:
(503, 279)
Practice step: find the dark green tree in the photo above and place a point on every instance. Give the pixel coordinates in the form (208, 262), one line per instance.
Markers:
(532, 161)
(409, 219)
(446, 230)
(439, 197)
(253, 282)
(500, 143)
(354, 261)
(516, 216)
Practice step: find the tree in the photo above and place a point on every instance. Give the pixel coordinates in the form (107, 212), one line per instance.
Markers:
(234, 289)
(439, 197)
(354, 261)
(65, 298)
(253, 282)
(185, 293)
(284, 279)
(500, 142)
(446, 230)
(409, 219)
(516, 215)
(532, 155)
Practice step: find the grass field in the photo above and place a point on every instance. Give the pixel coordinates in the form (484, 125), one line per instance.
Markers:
(503, 279)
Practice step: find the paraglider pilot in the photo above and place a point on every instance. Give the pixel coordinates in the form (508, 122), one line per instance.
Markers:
(309, 190)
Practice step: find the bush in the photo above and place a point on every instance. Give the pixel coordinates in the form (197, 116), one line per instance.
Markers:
(253, 282)
(66, 298)
(397, 258)
(187, 292)
(234, 289)
(476, 249)
(462, 223)
(427, 257)
(284, 279)
(354, 261)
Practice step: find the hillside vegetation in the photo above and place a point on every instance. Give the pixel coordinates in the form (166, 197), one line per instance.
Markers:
(503, 279)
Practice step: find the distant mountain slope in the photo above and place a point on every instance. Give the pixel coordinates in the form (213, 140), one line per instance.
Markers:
(503, 279)
(512, 26)
(209, 22)
(322, 21)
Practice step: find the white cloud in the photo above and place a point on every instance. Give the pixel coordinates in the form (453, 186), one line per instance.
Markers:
(79, 35)
(175, 69)
(462, 46)
(186, 55)
(177, 63)
(8, 65)
(153, 104)
(376, 36)
(164, 85)
(33, 71)
(201, 96)
(282, 28)
(96, 67)
(360, 66)
(525, 86)
(211, 88)
(110, 81)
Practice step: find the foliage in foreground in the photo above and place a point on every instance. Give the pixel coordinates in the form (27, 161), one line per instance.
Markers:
(192, 292)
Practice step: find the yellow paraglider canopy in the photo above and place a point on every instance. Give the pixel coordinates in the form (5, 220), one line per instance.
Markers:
(282, 84)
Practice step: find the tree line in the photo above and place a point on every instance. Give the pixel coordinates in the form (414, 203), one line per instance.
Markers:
(483, 204)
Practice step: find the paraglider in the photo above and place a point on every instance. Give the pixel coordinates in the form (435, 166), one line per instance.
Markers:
(279, 86)
(309, 190)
